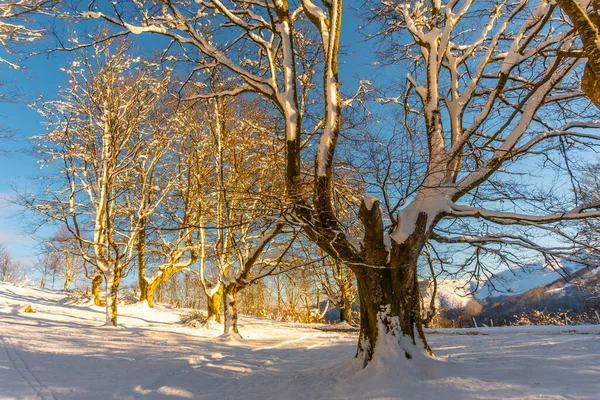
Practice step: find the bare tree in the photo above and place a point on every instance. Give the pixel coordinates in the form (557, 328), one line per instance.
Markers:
(482, 101)
(17, 27)
(10, 271)
(94, 143)
(243, 191)
(63, 257)
(337, 282)
(46, 266)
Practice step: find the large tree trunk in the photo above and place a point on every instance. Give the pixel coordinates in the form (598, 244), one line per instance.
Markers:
(213, 305)
(96, 284)
(390, 306)
(390, 313)
(230, 308)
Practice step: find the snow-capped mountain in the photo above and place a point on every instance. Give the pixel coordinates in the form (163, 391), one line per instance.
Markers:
(456, 293)
(450, 294)
(520, 280)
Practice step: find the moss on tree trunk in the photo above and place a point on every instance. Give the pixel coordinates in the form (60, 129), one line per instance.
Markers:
(213, 305)
(96, 284)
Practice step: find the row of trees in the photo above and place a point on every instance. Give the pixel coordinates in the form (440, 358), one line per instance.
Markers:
(146, 180)
(478, 94)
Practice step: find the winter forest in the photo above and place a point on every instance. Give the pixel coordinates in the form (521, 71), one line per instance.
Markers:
(300, 199)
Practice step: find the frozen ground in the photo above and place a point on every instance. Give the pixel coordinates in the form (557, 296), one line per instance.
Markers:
(64, 352)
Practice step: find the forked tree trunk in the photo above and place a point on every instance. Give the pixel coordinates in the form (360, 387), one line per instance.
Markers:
(230, 308)
(96, 284)
(390, 306)
(390, 312)
(213, 305)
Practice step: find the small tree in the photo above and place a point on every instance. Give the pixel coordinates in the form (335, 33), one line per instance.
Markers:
(94, 142)
(10, 271)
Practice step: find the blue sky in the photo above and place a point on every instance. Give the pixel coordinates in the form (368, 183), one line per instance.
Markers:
(41, 76)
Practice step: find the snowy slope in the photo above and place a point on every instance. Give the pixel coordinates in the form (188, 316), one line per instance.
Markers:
(64, 352)
(451, 294)
(520, 280)
(456, 293)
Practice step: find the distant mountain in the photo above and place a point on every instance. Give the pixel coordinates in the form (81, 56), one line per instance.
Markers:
(534, 294)
(579, 299)
(521, 280)
(450, 294)
(456, 293)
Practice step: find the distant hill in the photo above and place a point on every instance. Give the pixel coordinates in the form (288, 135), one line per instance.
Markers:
(450, 294)
(521, 280)
(530, 291)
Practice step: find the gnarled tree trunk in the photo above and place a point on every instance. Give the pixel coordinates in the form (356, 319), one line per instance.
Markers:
(390, 306)
(390, 311)
(96, 284)
(213, 305)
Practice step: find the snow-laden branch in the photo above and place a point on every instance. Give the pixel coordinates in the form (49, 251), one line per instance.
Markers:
(577, 213)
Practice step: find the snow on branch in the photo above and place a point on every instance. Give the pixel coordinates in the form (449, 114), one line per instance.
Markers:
(587, 211)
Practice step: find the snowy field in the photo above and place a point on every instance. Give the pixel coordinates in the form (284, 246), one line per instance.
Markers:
(64, 352)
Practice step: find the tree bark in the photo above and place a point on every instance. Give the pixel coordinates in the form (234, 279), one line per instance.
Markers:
(346, 312)
(96, 283)
(230, 307)
(149, 294)
(390, 311)
(587, 26)
(213, 305)
(141, 249)
(390, 304)
(113, 282)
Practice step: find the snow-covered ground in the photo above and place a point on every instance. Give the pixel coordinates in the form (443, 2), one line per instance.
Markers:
(64, 352)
